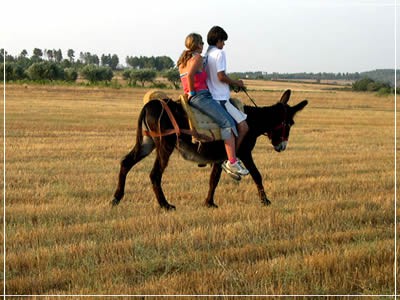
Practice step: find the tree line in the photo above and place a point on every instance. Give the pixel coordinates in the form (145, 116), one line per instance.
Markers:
(298, 76)
(369, 85)
(51, 65)
(381, 80)
(380, 75)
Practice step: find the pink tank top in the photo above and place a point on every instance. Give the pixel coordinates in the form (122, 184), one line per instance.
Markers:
(200, 83)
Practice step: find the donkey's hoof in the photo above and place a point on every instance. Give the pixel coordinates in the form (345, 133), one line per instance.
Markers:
(168, 207)
(115, 202)
(266, 202)
(211, 205)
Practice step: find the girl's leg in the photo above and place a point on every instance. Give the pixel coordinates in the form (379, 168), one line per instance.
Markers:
(207, 105)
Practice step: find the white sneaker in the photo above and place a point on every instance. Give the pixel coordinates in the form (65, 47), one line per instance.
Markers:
(234, 176)
(244, 169)
(236, 168)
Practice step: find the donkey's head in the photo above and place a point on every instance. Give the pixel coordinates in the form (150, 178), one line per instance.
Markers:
(283, 121)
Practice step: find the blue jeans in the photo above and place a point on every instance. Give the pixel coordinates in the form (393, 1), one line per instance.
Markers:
(204, 102)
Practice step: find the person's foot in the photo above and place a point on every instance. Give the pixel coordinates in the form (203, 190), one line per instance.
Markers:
(233, 175)
(243, 167)
(235, 168)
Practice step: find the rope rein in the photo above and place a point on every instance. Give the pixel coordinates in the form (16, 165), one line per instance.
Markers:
(251, 99)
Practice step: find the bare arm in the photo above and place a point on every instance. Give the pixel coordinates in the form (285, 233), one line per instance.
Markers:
(194, 65)
(226, 79)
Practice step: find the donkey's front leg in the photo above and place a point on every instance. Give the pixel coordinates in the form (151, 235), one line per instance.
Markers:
(255, 174)
(214, 179)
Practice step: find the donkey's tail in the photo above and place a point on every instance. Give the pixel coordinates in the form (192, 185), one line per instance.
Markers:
(139, 130)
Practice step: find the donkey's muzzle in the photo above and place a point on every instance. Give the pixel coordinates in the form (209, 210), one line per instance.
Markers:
(281, 146)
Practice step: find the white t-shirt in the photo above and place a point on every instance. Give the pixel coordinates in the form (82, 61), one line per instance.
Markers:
(215, 61)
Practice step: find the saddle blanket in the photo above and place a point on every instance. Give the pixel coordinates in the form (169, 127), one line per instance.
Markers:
(198, 121)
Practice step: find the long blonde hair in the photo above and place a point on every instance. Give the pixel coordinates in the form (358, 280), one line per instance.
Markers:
(192, 43)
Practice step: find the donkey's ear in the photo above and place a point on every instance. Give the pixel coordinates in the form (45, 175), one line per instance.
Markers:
(299, 106)
(285, 97)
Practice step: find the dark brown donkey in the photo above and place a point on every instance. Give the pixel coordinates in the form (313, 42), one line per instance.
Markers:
(157, 129)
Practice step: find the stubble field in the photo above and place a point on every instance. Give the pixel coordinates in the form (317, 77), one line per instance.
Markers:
(329, 230)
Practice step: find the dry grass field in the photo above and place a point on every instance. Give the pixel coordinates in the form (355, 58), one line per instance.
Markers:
(329, 230)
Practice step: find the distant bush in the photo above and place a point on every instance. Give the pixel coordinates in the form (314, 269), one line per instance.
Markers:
(362, 85)
(14, 71)
(70, 74)
(145, 75)
(126, 74)
(173, 76)
(45, 70)
(367, 84)
(385, 91)
(95, 73)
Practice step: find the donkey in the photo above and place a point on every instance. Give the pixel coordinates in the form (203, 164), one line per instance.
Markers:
(162, 132)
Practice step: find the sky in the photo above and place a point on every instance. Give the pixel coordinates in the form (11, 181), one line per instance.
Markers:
(285, 36)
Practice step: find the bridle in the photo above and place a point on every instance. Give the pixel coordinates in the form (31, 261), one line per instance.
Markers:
(283, 125)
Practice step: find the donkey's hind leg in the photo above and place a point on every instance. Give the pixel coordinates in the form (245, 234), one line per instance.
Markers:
(140, 151)
(164, 151)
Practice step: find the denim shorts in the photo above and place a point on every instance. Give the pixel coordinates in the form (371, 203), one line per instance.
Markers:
(204, 102)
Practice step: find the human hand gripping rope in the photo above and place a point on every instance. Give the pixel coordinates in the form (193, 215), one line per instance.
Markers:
(237, 89)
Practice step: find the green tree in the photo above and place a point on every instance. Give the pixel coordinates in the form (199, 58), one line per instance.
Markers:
(106, 74)
(70, 74)
(114, 62)
(362, 85)
(66, 63)
(58, 55)
(88, 59)
(149, 62)
(71, 55)
(163, 63)
(36, 71)
(143, 76)
(50, 55)
(37, 55)
(90, 73)
(94, 59)
(158, 63)
(23, 60)
(94, 73)
(111, 61)
(368, 84)
(105, 60)
(13, 71)
(134, 62)
(127, 75)
(45, 70)
(24, 53)
(173, 76)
